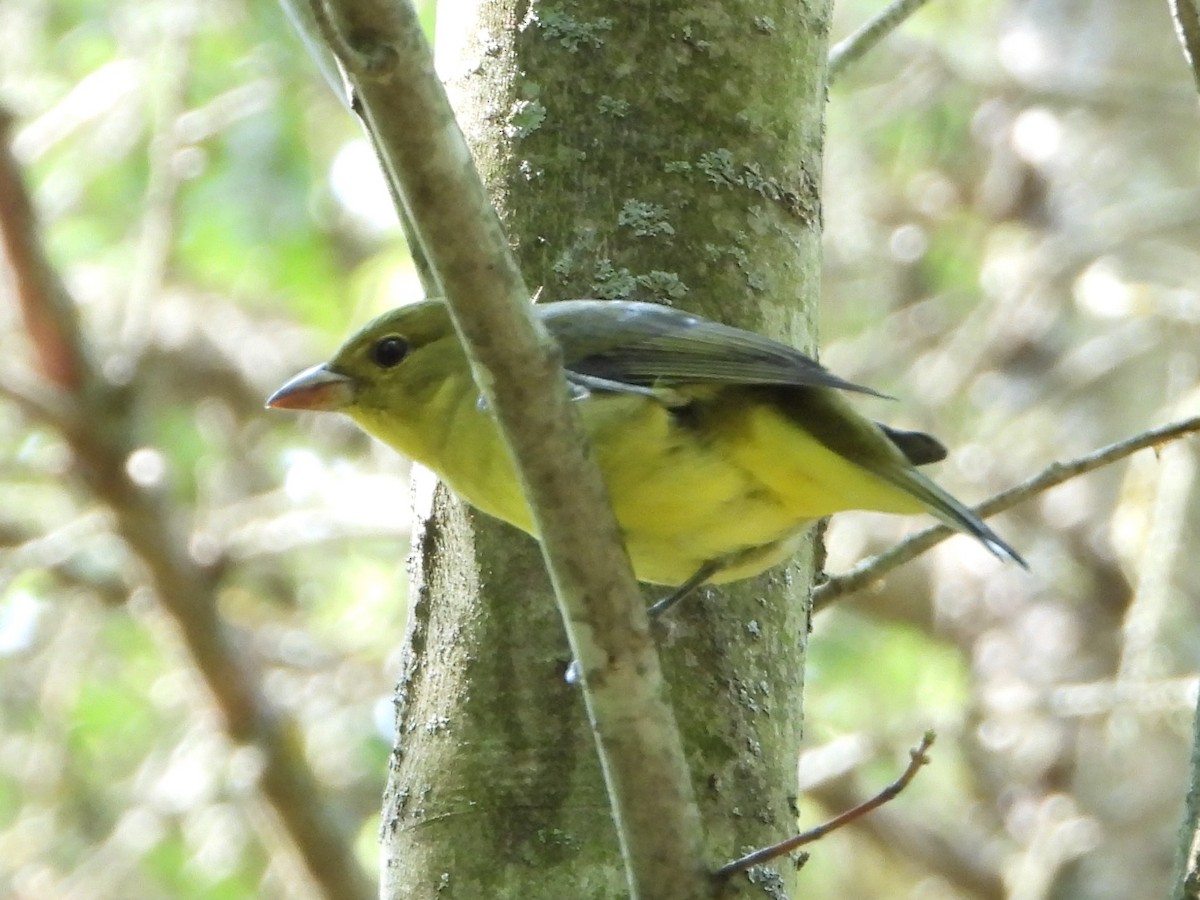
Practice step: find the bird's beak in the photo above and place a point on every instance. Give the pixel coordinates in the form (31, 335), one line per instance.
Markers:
(317, 389)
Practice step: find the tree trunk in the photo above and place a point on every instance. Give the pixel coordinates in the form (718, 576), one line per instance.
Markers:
(668, 152)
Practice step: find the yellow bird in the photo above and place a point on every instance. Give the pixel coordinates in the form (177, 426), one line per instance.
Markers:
(718, 446)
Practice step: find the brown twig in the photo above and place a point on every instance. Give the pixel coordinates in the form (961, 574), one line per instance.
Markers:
(874, 568)
(961, 858)
(766, 854)
(46, 308)
(101, 437)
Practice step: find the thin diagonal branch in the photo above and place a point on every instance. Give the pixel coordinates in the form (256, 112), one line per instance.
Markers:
(1186, 14)
(870, 33)
(918, 758)
(46, 308)
(956, 857)
(874, 568)
(402, 102)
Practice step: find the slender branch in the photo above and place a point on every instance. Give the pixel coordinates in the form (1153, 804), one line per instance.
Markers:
(402, 102)
(960, 857)
(918, 758)
(1187, 26)
(46, 308)
(101, 437)
(874, 568)
(870, 33)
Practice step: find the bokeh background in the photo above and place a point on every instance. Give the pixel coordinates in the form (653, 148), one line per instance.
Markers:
(1013, 248)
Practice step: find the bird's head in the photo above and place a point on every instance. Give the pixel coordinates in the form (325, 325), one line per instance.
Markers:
(390, 362)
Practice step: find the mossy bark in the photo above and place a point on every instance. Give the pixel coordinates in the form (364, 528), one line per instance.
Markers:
(670, 152)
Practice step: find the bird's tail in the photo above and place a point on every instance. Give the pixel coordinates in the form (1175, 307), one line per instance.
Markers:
(951, 511)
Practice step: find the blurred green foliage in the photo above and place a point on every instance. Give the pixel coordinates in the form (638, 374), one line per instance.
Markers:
(180, 153)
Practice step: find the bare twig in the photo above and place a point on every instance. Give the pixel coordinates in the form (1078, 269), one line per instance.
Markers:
(402, 102)
(1187, 26)
(869, 34)
(876, 567)
(959, 857)
(101, 438)
(766, 854)
(46, 308)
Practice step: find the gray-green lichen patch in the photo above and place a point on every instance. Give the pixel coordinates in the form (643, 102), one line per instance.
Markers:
(717, 166)
(722, 170)
(755, 279)
(663, 285)
(570, 32)
(524, 118)
(612, 106)
(770, 880)
(573, 259)
(688, 36)
(645, 219)
(610, 282)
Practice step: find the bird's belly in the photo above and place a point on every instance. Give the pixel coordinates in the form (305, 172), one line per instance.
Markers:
(680, 499)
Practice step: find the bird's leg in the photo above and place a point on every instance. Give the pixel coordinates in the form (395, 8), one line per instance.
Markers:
(705, 572)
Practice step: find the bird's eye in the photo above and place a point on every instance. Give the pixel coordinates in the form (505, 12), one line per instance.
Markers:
(389, 351)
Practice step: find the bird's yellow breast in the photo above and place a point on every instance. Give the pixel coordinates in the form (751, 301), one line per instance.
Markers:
(712, 480)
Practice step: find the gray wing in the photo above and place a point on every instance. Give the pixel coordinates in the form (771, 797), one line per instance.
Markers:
(644, 345)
